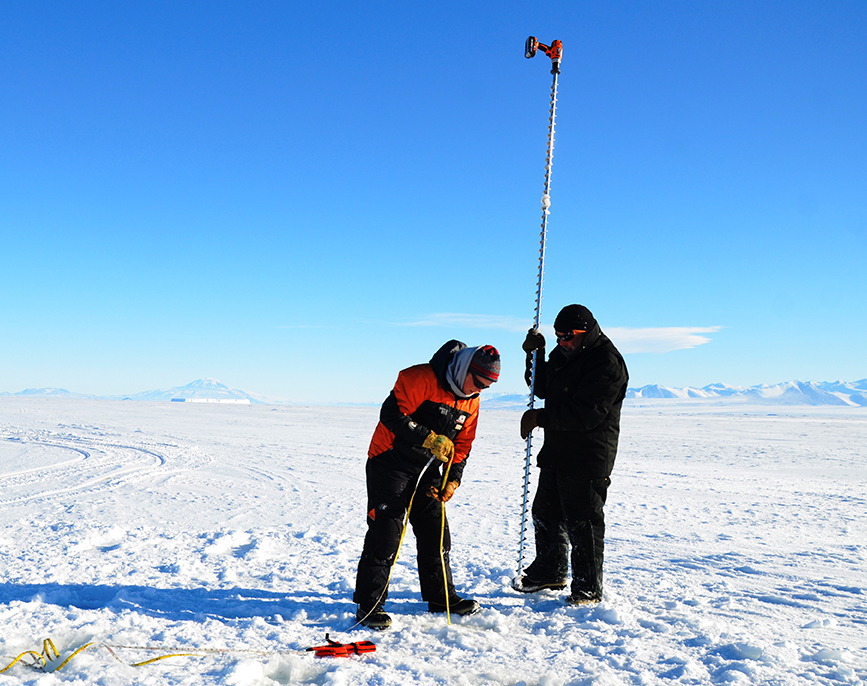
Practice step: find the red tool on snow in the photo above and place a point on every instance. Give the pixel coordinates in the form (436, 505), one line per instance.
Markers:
(335, 649)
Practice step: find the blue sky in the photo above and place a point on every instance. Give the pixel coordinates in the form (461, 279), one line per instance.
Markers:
(301, 200)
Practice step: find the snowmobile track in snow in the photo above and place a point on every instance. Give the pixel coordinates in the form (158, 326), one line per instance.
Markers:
(39, 465)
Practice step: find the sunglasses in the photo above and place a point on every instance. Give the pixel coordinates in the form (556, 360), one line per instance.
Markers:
(569, 335)
(479, 383)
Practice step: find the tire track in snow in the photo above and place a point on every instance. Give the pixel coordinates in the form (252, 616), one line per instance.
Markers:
(98, 466)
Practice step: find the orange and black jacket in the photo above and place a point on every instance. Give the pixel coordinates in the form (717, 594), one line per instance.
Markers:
(420, 402)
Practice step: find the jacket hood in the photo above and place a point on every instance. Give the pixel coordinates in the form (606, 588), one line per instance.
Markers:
(458, 369)
(450, 364)
(442, 358)
(591, 338)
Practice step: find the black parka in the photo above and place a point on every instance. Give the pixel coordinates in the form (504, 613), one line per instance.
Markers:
(583, 394)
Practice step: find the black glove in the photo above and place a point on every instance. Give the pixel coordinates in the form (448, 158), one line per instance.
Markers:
(529, 421)
(534, 341)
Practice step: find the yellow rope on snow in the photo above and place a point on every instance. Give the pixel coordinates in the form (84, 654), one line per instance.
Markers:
(442, 538)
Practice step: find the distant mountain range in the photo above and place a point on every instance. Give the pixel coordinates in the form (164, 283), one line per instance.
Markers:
(201, 389)
(840, 393)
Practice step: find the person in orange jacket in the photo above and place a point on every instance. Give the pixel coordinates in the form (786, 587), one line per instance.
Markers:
(430, 414)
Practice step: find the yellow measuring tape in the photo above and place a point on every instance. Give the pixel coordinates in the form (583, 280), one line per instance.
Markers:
(42, 661)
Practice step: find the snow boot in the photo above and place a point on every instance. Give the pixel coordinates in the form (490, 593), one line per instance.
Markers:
(374, 618)
(529, 585)
(583, 598)
(457, 606)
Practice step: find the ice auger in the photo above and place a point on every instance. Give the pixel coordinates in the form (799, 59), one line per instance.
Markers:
(555, 52)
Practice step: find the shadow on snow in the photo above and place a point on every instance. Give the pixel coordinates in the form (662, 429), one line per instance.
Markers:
(176, 604)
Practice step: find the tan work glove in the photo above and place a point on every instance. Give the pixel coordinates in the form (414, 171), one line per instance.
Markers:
(441, 446)
(446, 493)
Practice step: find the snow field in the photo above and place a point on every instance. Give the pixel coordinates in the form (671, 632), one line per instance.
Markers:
(734, 555)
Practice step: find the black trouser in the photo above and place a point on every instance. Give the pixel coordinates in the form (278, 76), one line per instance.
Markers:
(568, 509)
(390, 484)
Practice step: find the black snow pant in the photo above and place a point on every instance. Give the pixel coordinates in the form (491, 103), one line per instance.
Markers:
(568, 509)
(390, 484)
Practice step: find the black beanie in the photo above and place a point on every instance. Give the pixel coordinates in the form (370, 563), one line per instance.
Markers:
(574, 318)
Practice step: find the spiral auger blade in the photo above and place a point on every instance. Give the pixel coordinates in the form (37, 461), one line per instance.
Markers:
(555, 52)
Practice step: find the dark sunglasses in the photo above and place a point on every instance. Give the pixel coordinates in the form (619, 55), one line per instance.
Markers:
(478, 383)
(568, 336)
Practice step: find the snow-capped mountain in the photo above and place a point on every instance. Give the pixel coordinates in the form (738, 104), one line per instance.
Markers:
(851, 394)
(203, 389)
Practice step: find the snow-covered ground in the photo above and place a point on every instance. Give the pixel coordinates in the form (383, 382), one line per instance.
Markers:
(736, 551)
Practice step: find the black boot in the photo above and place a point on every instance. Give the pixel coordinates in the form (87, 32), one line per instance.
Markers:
(457, 606)
(584, 598)
(527, 584)
(374, 618)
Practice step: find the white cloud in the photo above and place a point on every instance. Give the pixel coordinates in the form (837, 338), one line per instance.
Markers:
(647, 340)
(473, 321)
(659, 340)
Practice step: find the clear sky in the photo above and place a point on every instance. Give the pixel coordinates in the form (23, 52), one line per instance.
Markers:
(300, 199)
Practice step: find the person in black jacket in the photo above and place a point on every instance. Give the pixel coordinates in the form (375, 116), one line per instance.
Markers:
(583, 383)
